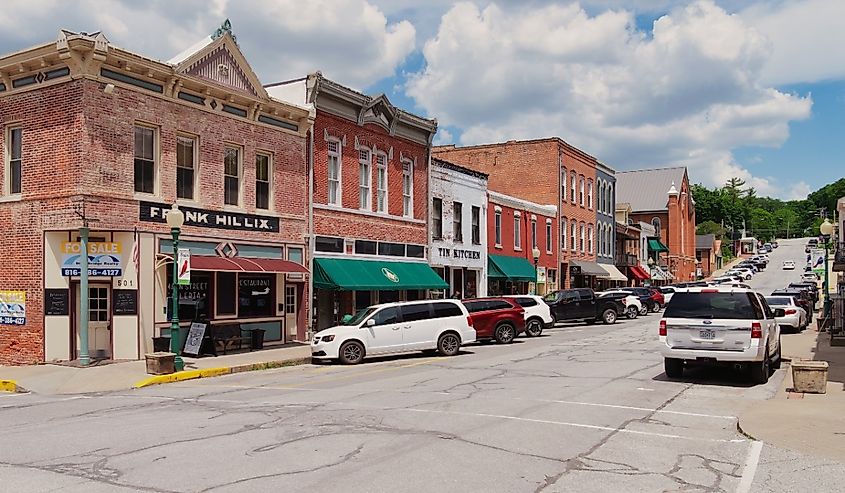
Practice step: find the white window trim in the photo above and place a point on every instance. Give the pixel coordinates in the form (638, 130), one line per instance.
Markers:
(550, 236)
(574, 234)
(240, 149)
(581, 190)
(517, 231)
(339, 155)
(582, 234)
(7, 162)
(196, 140)
(573, 193)
(590, 239)
(497, 227)
(590, 194)
(534, 232)
(564, 188)
(156, 160)
(270, 181)
(564, 233)
(410, 163)
(386, 169)
(369, 206)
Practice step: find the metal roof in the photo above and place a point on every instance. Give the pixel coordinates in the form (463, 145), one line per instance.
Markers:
(647, 189)
(704, 242)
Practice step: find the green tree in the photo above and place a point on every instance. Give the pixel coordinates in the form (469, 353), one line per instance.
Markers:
(710, 227)
(762, 224)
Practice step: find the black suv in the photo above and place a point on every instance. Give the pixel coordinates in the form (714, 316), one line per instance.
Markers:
(582, 304)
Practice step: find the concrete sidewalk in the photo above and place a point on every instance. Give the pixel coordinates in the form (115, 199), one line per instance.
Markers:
(809, 423)
(58, 379)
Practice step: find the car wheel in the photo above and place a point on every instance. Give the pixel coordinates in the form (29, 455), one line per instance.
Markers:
(609, 316)
(776, 362)
(760, 371)
(673, 367)
(351, 353)
(534, 327)
(505, 334)
(644, 310)
(655, 307)
(632, 312)
(449, 344)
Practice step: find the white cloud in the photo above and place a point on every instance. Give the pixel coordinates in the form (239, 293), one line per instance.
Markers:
(443, 137)
(349, 40)
(798, 191)
(688, 94)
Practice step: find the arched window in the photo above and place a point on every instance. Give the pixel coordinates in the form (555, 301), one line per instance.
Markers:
(601, 240)
(563, 179)
(601, 196)
(564, 225)
(656, 223)
(590, 194)
(581, 191)
(611, 206)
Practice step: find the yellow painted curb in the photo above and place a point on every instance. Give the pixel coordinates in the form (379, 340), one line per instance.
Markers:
(9, 386)
(183, 375)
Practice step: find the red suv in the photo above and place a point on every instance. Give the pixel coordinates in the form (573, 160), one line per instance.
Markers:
(658, 298)
(496, 318)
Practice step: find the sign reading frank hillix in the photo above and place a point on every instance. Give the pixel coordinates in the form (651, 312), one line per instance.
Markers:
(153, 212)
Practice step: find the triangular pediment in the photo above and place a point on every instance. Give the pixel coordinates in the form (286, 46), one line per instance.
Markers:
(379, 111)
(222, 63)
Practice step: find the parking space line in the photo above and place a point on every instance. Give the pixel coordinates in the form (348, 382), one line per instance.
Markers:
(633, 408)
(750, 468)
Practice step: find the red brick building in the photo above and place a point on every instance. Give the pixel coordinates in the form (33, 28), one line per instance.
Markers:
(546, 171)
(370, 198)
(661, 197)
(97, 136)
(517, 230)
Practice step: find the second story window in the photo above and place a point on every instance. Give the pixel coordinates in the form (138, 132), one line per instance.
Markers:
(564, 227)
(517, 231)
(145, 160)
(582, 238)
(186, 166)
(232, 176)
(589, 194)
(365, 177)
(573, 239)
(458, 221)
(564, 176)
(381, 183)
(497, 226)
(590, 239)
(549, 236)
(263, 174)
(533, 233)
(656, 223)
(573, 190)
(476, 225)
(334, 172)
(437, 218)
(407, 188)
(581, 191)
(15, 157)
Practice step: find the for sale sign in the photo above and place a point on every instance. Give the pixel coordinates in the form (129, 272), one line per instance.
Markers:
(13, 307)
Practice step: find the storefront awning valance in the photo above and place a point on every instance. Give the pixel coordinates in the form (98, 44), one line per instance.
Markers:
(639, 273)
(589, 268)
(243, 264)
(341, 274)
(514, 269)
(614, 274)
(655, 245)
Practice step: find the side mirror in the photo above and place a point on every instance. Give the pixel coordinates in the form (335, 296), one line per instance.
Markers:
(346, 318)
(779, 312)
(370, 323)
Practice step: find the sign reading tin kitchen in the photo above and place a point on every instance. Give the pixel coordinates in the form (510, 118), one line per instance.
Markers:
(458, 253)
(154, 213)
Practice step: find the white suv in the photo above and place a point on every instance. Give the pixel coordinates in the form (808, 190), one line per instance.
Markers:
(443, 325)
(720, 325)
(538, 315)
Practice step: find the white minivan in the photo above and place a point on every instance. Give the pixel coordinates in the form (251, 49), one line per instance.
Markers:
(442, 325)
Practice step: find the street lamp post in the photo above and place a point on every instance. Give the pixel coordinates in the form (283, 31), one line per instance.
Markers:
(175, 218)
(535, 253)
(651, 270)
(826, 230)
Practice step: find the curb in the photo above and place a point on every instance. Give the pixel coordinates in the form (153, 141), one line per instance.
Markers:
(216, 372)
(10, 386)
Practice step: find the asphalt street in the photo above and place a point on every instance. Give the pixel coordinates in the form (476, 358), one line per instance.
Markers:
(581, 409)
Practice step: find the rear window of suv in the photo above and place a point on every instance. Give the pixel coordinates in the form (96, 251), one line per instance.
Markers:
(714, 305)
(526, 302)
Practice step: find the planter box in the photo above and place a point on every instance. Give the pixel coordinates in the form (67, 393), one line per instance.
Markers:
(160, 363)
(809, 376)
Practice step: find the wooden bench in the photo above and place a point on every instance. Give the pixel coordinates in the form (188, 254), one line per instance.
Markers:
(229, 336)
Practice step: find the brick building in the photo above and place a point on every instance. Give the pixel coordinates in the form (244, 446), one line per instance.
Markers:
(101, 137)
(526, 169)
(517, 230)
(606, 227)
(370, 198)
(661, 197)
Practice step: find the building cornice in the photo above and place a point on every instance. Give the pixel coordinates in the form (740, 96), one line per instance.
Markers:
(520, 204)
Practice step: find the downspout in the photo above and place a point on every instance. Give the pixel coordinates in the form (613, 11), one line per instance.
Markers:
(310, 284)
(562, 277)
(428, 199)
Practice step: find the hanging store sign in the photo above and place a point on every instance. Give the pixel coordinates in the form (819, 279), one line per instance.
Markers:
(13, 307)
(183, 261)
(203, 218)
(104, 259)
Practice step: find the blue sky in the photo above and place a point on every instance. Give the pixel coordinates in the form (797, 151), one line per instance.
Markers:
(745, 88)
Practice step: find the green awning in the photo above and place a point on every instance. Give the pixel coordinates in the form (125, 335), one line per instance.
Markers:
(509, 268)
(374, 275)
(654, 245)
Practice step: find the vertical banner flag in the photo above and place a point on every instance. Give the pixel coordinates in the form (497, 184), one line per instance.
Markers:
(183, 260)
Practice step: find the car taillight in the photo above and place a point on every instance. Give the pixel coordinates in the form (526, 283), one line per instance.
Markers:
(625, 301)
(662, 327)
(469, 320)
(756, 330)
(790, 311)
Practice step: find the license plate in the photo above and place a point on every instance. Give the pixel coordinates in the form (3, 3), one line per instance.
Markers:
(707, 334)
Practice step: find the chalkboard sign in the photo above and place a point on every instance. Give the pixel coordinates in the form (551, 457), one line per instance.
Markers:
(194, 341)
(56, 302)
(125, 302)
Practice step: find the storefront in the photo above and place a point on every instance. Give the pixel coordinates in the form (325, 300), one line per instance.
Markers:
(342, 286)
(613, 278)
(584, 273)
(508, 275)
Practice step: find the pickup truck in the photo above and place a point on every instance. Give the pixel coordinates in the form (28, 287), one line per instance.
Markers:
(582, 304)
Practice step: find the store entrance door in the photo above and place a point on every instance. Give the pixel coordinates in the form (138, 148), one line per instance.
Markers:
(99, 320)
(291, 312)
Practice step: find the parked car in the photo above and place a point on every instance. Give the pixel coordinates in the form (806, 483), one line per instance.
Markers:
(802, 297)
(812, 287)
(668, 291)
(813, 243)
(538, 315)
(498, 319)
(794, 317)
(810, 276)
(788, 265)
(723, 326)
(633, 306)
(748, 265)
(746, 274)
(443, 325)
(652, 299)
(582, 304)
(774, 244)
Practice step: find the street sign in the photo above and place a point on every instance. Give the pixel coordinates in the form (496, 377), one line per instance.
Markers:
(183, 260)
